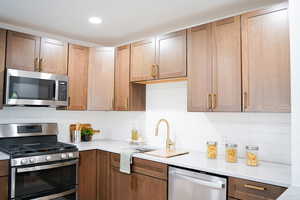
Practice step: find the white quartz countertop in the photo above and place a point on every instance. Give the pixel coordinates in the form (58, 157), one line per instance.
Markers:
(292, 193)
(3, 156)
(266, 172)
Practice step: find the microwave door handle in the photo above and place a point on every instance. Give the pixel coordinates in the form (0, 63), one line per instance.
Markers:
(56, 88)
(211, 184)
(44, 167)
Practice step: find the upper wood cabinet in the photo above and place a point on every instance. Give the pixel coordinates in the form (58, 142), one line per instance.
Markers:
(53, 56)
(171, 55)
(142, 60)
(78, 73)
(160, 58)
(214, 61)
(226, 89)
(88, 175)
(266, 60)
(122, 78)
(128, 96)
(32, 53)
(2, 63)
(200, 68)
(101, 79)
(22, 51)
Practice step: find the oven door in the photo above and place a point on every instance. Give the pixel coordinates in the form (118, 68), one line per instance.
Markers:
(34, 88)
(49, 181)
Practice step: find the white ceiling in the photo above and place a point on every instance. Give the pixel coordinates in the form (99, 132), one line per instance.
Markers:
(123, 21)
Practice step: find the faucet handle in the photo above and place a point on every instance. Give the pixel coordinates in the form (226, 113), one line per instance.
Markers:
(170, 145)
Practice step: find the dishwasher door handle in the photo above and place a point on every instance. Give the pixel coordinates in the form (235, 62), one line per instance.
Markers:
(211, 184)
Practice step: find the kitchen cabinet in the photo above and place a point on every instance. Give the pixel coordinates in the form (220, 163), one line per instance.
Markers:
(33, 53)
(249, 190)
(171, 55)
(88, 175)
(3, 180)
(163, 57)
(101, 79)
(53, 56)
(2, 64)
(128, 96)
(103, 175)
(266, 64)
(214, 60)
(143, 60)
(22, 51)
(121, 185)
(148, 180)
(78, 74)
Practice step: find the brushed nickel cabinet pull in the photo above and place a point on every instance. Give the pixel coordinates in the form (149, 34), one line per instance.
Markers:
(153, 71)
(245, 100)
(254, 187)
(112, 103)
(209, 101)
(126, 103)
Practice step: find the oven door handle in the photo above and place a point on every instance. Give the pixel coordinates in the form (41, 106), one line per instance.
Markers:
(44, 167)
(54, 196)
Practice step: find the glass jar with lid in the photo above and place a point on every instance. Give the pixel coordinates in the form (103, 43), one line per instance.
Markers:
(231, 153)
(212, 149)
(252, 155)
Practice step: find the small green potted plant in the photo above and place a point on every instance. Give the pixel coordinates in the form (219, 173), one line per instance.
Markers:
(87, 134)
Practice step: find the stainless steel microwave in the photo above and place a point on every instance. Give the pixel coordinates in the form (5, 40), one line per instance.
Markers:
(26, 88)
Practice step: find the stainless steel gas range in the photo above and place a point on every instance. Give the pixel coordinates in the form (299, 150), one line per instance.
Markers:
(40, 166)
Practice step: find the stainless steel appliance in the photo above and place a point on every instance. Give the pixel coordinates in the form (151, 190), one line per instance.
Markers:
(41, 167)
(35, 89)
(191, 185)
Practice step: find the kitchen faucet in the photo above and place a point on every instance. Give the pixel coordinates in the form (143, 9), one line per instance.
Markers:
(169, 142)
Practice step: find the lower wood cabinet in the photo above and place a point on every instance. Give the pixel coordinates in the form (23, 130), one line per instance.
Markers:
(249, 190)
(147, 181)
(88, 175)
(3, 180)
(103, 175)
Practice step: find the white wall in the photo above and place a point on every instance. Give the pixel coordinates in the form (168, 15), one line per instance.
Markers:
(294, 6)
(271, 132)
(112, 124)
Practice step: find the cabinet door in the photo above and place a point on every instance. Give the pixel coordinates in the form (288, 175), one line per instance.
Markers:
(53, 56)
(103, 175)
(171, 55)
(266, 61)
(200, 68)
(3, 188)
(22, 51)
(78, 72)
(148, 188)
(88, 175)
(142, 60)
(121, 185)
(227, 83)
(101, 79)
(122, 78)
(2, 63)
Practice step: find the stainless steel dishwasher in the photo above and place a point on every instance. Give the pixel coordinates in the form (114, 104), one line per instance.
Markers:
(191, 185)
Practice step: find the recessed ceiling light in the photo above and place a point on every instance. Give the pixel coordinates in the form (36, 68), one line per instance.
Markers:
(95, 20)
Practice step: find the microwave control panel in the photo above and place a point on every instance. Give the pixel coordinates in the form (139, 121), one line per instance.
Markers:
(62, 90)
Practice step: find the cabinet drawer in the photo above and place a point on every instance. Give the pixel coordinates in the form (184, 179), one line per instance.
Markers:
(146, 167)
(250, 190)
(3, 167)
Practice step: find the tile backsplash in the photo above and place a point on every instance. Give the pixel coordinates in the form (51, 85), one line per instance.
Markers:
(270, 131)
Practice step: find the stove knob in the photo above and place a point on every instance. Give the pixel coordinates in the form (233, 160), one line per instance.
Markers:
(24, 162)
(32, 160)
(71, 155)
(48, 158)
(63, 156)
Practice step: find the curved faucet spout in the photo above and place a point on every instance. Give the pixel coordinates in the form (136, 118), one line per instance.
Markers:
(169, 142)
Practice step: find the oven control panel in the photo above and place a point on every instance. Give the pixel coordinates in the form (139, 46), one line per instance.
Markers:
(44, 158)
